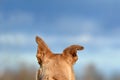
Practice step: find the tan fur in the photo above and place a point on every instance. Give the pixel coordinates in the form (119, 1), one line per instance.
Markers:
(56, 66)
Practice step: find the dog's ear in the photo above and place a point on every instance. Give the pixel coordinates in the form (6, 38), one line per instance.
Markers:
(70, 53)
(43, 51)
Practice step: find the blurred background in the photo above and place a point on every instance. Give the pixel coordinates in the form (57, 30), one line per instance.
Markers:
(95, 24)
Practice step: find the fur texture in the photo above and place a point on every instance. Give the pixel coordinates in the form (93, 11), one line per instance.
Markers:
(56, 66)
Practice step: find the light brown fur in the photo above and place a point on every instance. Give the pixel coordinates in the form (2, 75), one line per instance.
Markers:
(56, 66)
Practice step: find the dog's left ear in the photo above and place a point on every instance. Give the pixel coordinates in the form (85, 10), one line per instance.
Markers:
(43, 51)
(70, 53)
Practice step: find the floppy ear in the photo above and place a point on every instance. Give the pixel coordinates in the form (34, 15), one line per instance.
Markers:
(43, 51)
(70, 53)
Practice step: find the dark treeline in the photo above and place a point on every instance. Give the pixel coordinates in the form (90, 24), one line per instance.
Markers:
(28, 73)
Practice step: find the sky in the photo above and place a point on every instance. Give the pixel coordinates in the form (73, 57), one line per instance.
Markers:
(91, 23)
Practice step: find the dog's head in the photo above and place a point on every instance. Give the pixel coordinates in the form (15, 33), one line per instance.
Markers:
(54, 64)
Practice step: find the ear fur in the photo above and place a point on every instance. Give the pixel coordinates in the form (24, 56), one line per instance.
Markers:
(42, 44)
(71, 53)
(43, 50)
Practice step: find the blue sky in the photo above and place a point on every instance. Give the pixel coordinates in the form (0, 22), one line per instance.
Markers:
(91, 23)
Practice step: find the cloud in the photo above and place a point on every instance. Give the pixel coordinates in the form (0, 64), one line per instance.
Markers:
(65, 30)
(64, 23)
(93, 40)
(15, 39)
(78, 23)
(104, 56)
(14, 61)
(16, 19)
(20, 18)
(84, 27)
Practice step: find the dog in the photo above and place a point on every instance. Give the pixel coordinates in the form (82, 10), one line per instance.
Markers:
(56, 66)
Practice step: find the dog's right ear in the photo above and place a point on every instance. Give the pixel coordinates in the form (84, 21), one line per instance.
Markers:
(70, 53)
(43, 51)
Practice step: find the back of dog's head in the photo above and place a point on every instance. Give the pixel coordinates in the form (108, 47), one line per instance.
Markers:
(56, 66)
